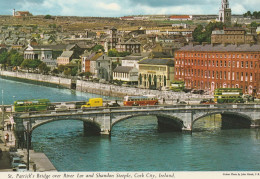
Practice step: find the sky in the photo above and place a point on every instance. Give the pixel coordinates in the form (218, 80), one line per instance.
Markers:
(118, 8)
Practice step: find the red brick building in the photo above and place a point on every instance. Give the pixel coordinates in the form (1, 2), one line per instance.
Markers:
(208, 67)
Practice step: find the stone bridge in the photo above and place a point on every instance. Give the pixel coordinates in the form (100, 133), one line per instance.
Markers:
(170, 117)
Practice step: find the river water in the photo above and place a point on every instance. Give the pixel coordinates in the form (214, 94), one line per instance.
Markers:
(135, 144)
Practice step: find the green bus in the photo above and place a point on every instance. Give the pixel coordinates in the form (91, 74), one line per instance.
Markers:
(32, 105)
(177, 86)
(228, 95)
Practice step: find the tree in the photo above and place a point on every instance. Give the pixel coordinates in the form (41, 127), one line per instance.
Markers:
(96, 48)
(204, 35)
(43, 68)
(47, 16)
(112, 53)
(67, 71)
(3, 59)
(61, 68)
(253, 24)
(74, 71)
(35, 63)
(26, 64)
(16, 59)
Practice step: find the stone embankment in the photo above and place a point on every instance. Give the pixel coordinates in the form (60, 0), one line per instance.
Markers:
(104, 89)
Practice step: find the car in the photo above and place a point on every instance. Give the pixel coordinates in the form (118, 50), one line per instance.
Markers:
(21, 168)
(182, 102)
(15, 162)
(207, 101)
(114, 105)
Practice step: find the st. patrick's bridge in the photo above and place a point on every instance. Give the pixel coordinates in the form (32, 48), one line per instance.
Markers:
(170, 117)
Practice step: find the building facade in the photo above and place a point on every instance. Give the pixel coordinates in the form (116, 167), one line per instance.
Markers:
(126, 74)
(208, 67)
(233, 36)
(155, 73)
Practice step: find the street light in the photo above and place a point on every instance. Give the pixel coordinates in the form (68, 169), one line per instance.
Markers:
(3, 109)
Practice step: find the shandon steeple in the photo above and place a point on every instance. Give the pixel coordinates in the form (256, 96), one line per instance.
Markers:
(225, 12)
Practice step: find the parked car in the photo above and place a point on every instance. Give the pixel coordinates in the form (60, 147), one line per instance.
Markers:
(21, 168)
(15, 162)
(207, 101)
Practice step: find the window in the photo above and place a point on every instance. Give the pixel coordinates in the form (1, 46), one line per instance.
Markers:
(242, 64)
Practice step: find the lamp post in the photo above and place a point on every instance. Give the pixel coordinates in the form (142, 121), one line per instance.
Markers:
(12, 106)
(3, 122)
(28, 144)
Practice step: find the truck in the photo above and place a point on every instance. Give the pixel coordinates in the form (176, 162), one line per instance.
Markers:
(93, 102)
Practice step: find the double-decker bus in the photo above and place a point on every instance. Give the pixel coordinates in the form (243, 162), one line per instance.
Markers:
(228, 95)
(140, 100)
(32, 105)
(177, 86)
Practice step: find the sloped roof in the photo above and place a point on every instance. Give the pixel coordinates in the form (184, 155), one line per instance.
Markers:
(131, 41)
(123, 69)
(136, 58)
(222, 48)
(169, 62)
(67, 54)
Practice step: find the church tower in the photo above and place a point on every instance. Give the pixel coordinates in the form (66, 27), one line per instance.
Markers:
(225, 12)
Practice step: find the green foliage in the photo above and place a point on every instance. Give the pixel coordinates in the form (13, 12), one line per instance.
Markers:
(112, 53)
(3, 59)
(30, 64)
(201, 34)
(43, 68)
(47, 17)
(12, 58)
(97, 47)
(61, 68)
(16, 59)
(67, 71)
(254, 24)
(55, 71)
(74, 71)
(85, 74)
(255, 14)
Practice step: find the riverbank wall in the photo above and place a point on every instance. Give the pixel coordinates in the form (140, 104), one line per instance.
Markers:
(32, 77)
(101, 88)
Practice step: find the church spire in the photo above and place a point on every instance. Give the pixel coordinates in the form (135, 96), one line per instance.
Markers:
(225, 12)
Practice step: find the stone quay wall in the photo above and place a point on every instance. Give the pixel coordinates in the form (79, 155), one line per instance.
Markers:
(105, 89)
(38, 77)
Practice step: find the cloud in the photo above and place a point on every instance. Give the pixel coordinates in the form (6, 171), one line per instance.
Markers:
(111, 6)
(119, 8)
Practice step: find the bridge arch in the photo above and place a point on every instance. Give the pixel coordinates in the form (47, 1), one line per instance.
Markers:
(229, 119)
(165, 122)
(89, 124)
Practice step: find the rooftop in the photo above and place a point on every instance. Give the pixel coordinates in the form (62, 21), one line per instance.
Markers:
(169, 62)
(222, 48)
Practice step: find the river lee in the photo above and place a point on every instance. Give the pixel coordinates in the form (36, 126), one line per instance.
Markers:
(135, 144)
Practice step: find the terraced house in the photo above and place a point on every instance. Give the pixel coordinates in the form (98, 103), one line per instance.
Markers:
(208, 67)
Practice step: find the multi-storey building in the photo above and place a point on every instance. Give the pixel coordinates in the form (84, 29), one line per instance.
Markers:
(234, 36)
(208, 67)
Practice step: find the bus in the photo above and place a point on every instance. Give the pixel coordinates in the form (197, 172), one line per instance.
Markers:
(32, 105)
(140, 100)
(228, 95)
(177, 86)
